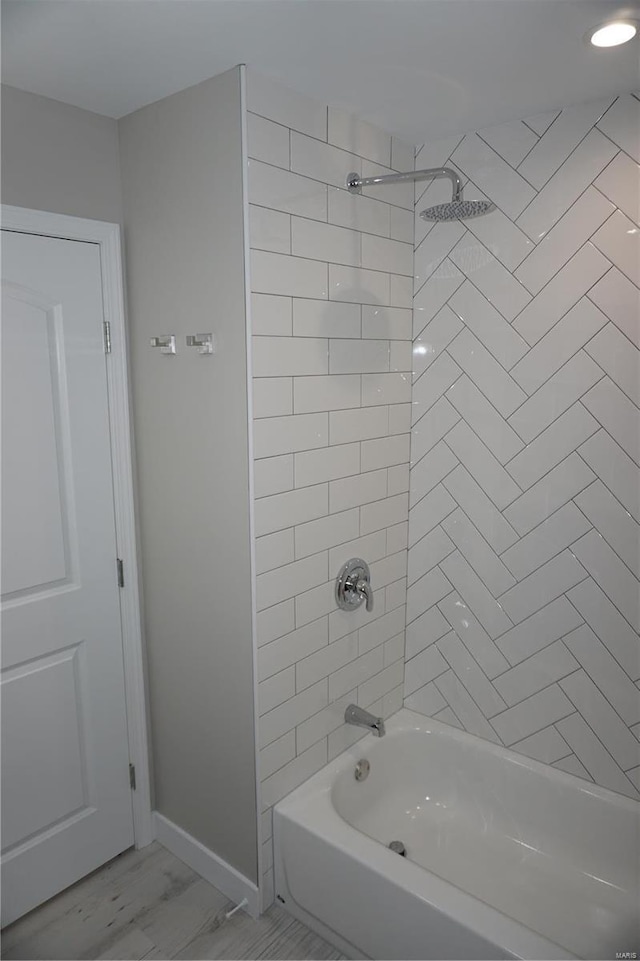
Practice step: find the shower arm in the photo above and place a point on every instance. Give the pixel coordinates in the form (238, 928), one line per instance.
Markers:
(355, 183)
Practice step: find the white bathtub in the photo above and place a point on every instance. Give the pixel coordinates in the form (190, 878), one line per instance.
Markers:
(506, 857)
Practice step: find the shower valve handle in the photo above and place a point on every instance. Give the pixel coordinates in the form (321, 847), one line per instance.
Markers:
(353, 585)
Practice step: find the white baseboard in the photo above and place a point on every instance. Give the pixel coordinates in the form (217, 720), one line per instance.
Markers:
(207, 864)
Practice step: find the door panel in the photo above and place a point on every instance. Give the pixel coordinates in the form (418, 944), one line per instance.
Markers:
(66, 804)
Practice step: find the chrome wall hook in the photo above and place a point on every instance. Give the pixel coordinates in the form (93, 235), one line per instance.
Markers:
(165, 342)
(204, 343)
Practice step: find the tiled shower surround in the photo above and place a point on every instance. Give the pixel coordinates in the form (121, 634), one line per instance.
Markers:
(331, 314)
(524, 546)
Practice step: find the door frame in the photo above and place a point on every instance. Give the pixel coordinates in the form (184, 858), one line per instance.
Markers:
(107, 237)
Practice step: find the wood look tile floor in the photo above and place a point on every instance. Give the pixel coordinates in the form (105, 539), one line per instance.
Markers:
(148, 904)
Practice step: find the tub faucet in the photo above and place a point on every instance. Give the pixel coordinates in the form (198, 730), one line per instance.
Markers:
(361, 718)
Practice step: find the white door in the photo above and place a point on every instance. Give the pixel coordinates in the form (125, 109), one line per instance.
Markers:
(66, 798)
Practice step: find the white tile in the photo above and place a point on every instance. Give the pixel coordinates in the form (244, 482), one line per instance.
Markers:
(384, 452)
(318, 318)
(286, 356)
(433, 250)
(423, 668)
(617, 414)
(342, 738)
(343, 429)
(427, 552)
(272, 396)
(542, 586)
(354, 285)
(288, 276)
(380, 630)
(620, 182)
(464, 706)
(498, 285)
(602, 668)
(611, 575)
(398, 479)
(435, 153)
(506, 345)
(378, 253)
(497, 179)
(293, 507)
(615, 469)
(269, 229)
(486, 373)
(324, 662)
(546, 540)
(276, 754)
(281, 190)
(392, 510)
(602, 719)
(622, 124)
(475, 594)
(334, 392)
(540, 122)
(394, 651)
(401, 291)
(532, 714)
(358, 212)
(316, 466)
(399, 418)
(546, 746)
(274, 100)
(429, 512)
(401, 224)
(346, 622)
(282, 435)
(272, 475)
(275, 621)
(477, 552)
(285, 651)
(323, 723)
(484, 514)
(274, 550)
(276, 689)
(572, 765)
(437, 335)
(539, 630)
(400, 194)
(473, 635)
(442, 374)
(322, 161)
(402, 155)
(400, 355)
(351, 133)
(553, 490)
(561, 293)
(620, 301)
(552, 445)
(327, 532)
(371, 546)
(611, 520)
(555, 396)
(398, 535)
(378, 389)
(608, 624)
(361, 489)
(482, 465)
(358, 356)
(564, 239)
(572, 332)
(358, 671)
(289, 580)
(425, 593)
(271, 314)
(433, 467)
(428, 701)
(288, 778)
(577, 172)
(424, 631)
(483, 418)
(504, 239)
(593, 755)
(512, 140)
(391, 323)
(315, 603)
(479, 687)
(434, 294)
(619, 240)
(558, 142)
(318, 241)
(431, 428)
(267, 141)
(446, 716)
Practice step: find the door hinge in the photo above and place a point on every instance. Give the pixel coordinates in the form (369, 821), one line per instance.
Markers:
(120, 569)
(106, 328)
(132, 776)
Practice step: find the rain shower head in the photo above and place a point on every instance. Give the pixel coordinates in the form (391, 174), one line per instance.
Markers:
(457, 210)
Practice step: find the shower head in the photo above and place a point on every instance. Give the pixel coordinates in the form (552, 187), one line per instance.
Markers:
(457, 209)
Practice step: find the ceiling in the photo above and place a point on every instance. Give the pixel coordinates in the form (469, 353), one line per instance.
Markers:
(417, 68)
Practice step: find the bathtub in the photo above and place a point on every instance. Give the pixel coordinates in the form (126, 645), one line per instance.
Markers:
(506, 857)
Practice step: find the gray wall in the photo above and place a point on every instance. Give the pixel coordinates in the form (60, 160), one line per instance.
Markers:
(59, 158)
(182, 185)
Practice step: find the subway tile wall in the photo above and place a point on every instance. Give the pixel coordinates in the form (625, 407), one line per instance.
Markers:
(523, 605)
(331, 286)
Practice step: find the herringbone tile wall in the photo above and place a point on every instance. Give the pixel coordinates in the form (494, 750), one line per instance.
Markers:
(524, 540)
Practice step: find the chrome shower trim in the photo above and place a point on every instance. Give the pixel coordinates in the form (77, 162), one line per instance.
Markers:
(355, 183)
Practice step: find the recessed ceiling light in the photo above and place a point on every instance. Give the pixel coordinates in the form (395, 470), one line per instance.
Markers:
(612, 34)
